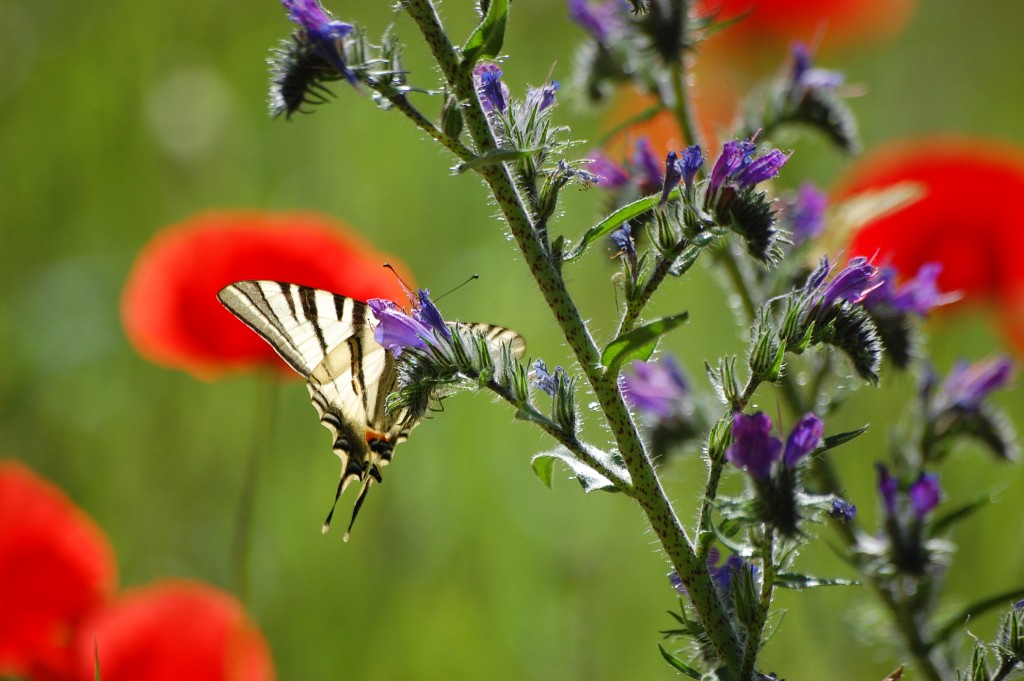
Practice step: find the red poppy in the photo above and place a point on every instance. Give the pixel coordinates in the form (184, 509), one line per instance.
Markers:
(55, 566)
(169, 307)
(957, 222)
(174, 630)
(834, 22)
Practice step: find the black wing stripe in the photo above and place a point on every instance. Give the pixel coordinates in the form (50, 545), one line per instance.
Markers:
(307, 297)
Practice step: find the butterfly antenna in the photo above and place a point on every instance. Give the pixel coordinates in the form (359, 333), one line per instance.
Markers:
(405, 287)
(359, 505)
(337, 495)
(473, 277)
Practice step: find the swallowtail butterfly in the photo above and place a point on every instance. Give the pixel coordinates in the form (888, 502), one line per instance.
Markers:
(328, 339)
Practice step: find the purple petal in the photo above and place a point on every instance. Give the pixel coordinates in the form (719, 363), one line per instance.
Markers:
(754, 449)
(806, 213)
(803, 439)
(654, 388)
(611, 173)
(924, 494)
(887, 487)
(396, 329)
(967, 385)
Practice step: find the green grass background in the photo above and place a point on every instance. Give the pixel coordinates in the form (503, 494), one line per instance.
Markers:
(119, 117)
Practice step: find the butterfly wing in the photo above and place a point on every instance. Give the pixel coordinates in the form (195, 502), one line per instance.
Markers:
(329, 339)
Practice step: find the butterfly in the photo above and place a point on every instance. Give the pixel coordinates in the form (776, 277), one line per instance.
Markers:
(329, 339)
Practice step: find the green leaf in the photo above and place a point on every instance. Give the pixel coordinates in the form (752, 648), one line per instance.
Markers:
(950, 518)
(678, 664)
(627, 212)
(544, 467)
(496, 156)
(638, 343)
(589, 479)
(833, 441)
(489, 35)
(792, 580)
(956, 622)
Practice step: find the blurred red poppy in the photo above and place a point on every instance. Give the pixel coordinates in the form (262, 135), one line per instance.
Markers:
(55, 566)
(174, 630)
(957, 222)
(833, 23)
(169, 307)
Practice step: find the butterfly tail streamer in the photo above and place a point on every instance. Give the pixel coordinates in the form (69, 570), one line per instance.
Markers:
(355, 509)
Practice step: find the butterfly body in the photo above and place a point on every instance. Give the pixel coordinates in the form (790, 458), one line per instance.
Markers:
(329, 339)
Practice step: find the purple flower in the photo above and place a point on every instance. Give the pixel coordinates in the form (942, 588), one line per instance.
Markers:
(654, 388)
(600, 20)
(398, 330)
(887, 488)
(754, 448)
(806, 213)
(622, 238)
(543, 97)
(548, 382)
(803, 439)
(967, 385)
(721, 575)
(324, 32)
(648, 167)
(610, 173)
(851, 284)
(690, 162)
(843, 510)
(737, 167)
(924, 494)
(489, 86)
(672, 176)
(918, 295)
(805, 77)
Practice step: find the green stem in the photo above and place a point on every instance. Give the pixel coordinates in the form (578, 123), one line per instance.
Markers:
(262, 434)
(681, 109)
(647, 486)
(763, 605)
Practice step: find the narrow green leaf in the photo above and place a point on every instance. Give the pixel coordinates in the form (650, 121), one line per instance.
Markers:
(638, 343)
(678, 664)
(489, 35)
(835, 440)
(496, 156)
(544, 467)
(589, 479)
(627, 212)
(792, 580)
(956, 622)
(950, 518)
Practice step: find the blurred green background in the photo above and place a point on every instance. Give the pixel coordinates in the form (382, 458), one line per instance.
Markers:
(119, 117)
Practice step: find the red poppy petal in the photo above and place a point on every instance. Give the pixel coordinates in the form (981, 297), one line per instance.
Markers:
(174, 630)
(55, 566)
(169, 307)
(836, 22)
(955, 222)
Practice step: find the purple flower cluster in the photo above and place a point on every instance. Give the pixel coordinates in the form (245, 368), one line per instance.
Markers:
(755, 449)
(398, 330)
(601, 20)
(738, 167)
(968, 384)
(324, 32)
(805, 213)
(851, 284)
(919, 295)
(545, 380)
(721, 575)
(804, 77)
(923, 495)
(492, 90)
(654, 388)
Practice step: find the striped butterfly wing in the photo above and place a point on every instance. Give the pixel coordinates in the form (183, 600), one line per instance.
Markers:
(329, 339)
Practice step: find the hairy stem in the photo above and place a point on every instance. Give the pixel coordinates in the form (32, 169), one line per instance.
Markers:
(764, 603)
(647, 486)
